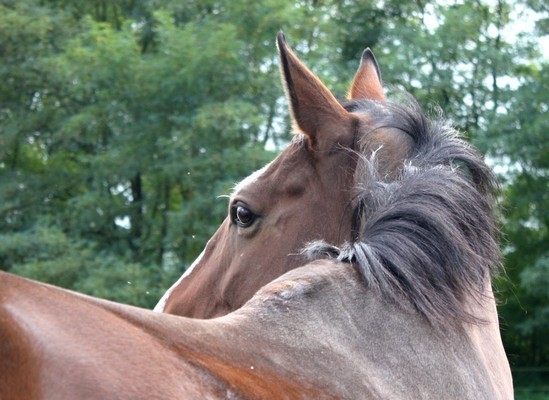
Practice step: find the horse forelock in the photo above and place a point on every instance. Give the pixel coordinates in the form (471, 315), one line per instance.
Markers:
(429, 235)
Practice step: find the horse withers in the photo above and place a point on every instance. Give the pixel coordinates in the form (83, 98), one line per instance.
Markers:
(395, 212)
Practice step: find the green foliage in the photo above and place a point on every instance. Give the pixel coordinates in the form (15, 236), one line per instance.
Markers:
(38, 244)
(518, 138)
(121, 124)
(47, 254)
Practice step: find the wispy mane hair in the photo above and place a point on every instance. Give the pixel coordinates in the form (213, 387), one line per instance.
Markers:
(428, 235)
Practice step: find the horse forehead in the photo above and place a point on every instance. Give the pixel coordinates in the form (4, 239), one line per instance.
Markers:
(250, 179)
(278, 174)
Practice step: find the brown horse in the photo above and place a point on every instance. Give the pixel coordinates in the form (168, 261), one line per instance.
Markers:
(396, 210)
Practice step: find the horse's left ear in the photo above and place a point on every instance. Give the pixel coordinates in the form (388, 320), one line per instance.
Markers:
(314, 109)
(367, 83)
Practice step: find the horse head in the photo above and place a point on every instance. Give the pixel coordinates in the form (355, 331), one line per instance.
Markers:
(304, 195)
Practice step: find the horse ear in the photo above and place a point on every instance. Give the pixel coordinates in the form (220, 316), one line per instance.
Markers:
(314, 109)
(367, 83)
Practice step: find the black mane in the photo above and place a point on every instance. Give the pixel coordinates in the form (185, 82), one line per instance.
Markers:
(430, 234)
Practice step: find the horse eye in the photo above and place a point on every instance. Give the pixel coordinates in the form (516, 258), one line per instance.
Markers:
(243, 216)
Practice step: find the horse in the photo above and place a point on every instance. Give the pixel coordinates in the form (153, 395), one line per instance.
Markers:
(357, 264)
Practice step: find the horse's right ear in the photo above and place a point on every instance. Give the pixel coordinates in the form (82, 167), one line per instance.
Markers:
(315, 111)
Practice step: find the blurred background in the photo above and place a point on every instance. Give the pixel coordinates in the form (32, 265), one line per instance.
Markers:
(123, 121)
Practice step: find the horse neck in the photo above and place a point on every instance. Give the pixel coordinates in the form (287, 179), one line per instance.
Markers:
(320, 323)
(234, 352)
(486, 338)
(353, 329)
(320, 319)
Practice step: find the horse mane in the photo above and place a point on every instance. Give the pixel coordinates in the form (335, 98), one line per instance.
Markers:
(430, 234)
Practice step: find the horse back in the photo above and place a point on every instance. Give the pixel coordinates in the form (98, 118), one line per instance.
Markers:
(58, 344)
(316, 332)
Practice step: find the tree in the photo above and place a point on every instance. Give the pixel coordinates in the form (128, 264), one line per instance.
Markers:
(120, 131)
(518, 137)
